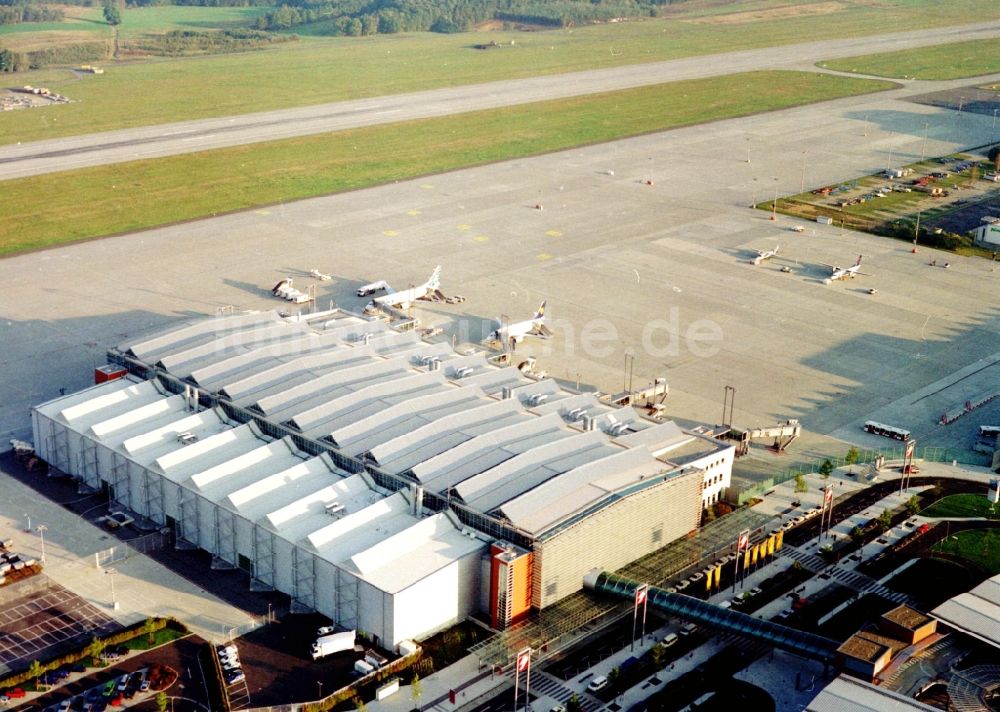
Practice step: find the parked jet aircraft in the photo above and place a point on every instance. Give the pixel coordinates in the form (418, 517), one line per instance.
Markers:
(515, 333)
(429, 290)
(765, 255)
(844, 272)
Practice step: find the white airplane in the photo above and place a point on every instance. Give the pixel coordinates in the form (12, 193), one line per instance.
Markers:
(403, 299)
(515, 333)
(844, 272)
(765, 255)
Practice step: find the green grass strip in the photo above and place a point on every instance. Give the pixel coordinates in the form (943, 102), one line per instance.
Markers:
(963, 505)
(979, 546)
(947, 61)
(64, 207)
(327, 69)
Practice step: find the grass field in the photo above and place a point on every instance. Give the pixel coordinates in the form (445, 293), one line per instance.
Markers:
(948, 61)
(963, 505)
(980, 546)
(63, 207)
(319, 70)
(157, 20)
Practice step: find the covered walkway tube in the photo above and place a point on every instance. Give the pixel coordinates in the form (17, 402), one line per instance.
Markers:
(697, 611)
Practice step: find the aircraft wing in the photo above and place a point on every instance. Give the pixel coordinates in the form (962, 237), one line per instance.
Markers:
(543, 331)
(831, 267)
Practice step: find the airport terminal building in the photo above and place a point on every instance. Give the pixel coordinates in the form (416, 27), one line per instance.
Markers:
(392, 484)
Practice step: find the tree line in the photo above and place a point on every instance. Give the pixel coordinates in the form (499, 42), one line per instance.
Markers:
(12, 14)
(369, 17)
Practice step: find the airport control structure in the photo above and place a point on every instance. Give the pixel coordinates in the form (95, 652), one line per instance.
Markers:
(393, 484)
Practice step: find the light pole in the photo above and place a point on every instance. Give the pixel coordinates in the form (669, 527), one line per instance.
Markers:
(889, 161)
(28, 517)
(41, 529)
(916, 230)
(748, 147)
(923, 146)
(753, 202)
(114, 599)
(774, 205)
(319, 683)
(994, 124)
(802, 187)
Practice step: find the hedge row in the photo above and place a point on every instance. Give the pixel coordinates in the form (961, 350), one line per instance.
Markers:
(96, 645)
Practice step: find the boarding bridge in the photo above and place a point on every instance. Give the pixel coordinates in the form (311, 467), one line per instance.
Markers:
(783, 434)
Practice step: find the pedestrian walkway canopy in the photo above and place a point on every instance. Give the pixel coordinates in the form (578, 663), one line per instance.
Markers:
(697, 611)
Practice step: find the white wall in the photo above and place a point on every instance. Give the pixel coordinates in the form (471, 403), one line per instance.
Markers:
(436, 602)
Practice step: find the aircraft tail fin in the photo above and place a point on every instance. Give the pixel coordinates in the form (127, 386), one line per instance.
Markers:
(858, 263)
(435, 279)
(540, 314)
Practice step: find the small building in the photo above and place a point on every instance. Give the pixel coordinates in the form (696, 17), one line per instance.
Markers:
(865, 654)
(988, 234)
(907, 625)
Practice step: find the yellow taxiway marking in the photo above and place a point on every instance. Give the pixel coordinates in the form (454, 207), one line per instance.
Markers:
(554, 233)
(463, 228)
(544, 256)
(390, 233)
(426, 186)
(481, 238)
(263, 212)
(413, 213)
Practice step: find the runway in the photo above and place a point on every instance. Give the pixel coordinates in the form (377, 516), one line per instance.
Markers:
(36, 158)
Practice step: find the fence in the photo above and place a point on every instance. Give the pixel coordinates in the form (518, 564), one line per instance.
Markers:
(863, 461)
(154, 541)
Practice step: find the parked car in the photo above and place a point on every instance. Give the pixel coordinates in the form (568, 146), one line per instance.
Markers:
(597, 684)
(234, 676)
(325, 630)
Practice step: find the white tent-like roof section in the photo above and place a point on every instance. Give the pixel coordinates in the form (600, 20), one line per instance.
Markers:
(410, 449)
(848, 694)
(147, 445)
(488, 450)
(202, 331)
(360, 436)
(488, 490)
(215, 375)
(402, 559)
(217, 483)
(362, 527)
(273, 492)
(367, 401)
(558, 498)
(185, 460)
(83, 409)
(976, 613)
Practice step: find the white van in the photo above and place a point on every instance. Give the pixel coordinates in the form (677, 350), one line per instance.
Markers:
(669, 639)
(688, 629)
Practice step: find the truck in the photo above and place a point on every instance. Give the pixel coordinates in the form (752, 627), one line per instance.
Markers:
(333, 643)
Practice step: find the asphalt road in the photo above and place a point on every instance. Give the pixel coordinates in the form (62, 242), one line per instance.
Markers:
(18, 161)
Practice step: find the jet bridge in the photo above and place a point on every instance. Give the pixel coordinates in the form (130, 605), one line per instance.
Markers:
(783, 433)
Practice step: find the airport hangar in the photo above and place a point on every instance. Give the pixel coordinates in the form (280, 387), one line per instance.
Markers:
(392, 484)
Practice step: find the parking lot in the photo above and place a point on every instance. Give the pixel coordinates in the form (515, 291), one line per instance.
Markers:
(188, 691)
(42, 624)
